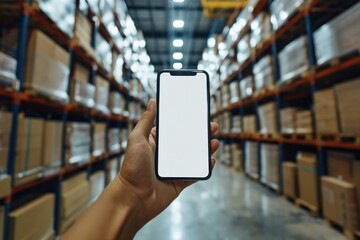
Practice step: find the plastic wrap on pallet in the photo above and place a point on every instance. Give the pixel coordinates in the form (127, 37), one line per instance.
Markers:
(270, 164)
(103, 51)
(117, 68)
(78, 141)
(236, 126)
(234, 88)
(99, 136)
(82, 92)
(288, 120)
(243, 49)
(62, 16)
(113, 140)
(117, 103)
(97, 185)
(294, 59)
(281, 10)
(246, 87)
(348, 99)
(250, 124)
(268, 117)
(8, 70)
(83, 34)
(101, 94)
(5, 129)
(264, 73)
(251, 159)
(338, 37)
(260, 29)
(44, 53)
(52, 149)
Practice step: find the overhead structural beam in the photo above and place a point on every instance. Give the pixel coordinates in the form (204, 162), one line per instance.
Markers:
(159, 63)
(164, 8)
(154, 52)
(164, 34)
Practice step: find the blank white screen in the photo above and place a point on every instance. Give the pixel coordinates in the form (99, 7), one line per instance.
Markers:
(183, 150)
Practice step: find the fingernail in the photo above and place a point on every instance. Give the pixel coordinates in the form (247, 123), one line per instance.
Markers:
(150, 104)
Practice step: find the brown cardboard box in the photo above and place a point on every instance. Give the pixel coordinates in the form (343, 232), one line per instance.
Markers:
(2, 216)
(290, 178)
(3, 158)
(326, 111)
(5, 185)
(28, 142)
(340, 165)
(26, 160)
(72, 182)
(288, 119)
(339, 202)
(356, 180)
(53, 133)
(308, 178)
(27, 125)
(97, 185)
(34, 220)
(75, 198)
(250, 124)
(5, 121)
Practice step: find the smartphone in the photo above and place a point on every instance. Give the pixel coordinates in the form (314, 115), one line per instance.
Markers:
(183, 125)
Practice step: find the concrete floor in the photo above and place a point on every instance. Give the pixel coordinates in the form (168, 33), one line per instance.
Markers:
(230, 206)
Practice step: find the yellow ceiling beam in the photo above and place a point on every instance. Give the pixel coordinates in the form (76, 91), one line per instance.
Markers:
(223, 4)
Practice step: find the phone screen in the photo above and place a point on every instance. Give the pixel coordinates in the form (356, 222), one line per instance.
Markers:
(183, 127)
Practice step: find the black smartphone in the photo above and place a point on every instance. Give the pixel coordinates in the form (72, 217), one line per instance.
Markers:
(183, 148)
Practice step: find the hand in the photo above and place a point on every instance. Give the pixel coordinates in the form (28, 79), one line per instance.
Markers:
(138, 170)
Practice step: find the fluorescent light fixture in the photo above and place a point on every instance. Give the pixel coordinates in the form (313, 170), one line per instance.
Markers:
(178, 23)
(177, 55)
(178, 43)
(178, 1)
(177, 65)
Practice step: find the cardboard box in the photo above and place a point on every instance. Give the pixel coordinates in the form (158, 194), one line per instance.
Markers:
(5, 185)
(5, 121)
(30, 126)
(340, 165)
(34, 220)
(308, 178)
(101, 94)
(3, 158)
(2, 218)
(28, 142)
(326, 111)
(339, 202)
(53, 134)
(270, 164)
(44, 53)
(74, 199)
(290, 178)
(97, 185)
(72, 182)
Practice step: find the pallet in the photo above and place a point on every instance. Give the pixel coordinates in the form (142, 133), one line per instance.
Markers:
(269, 135)
(249, 135)
(314, 211)
(349, 234)
(338, 60)
(297, 75)
(252, 176)
(339, 137)
(264, 90)
(35, 93)
(289, 198)
(271, 187)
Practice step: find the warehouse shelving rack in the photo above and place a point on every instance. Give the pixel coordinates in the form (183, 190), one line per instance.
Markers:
(306, 20)
(27, 15)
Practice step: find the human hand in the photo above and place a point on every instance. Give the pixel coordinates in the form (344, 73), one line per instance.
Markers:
(138, 171)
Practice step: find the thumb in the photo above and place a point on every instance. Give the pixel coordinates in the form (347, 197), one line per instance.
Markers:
(146, 122)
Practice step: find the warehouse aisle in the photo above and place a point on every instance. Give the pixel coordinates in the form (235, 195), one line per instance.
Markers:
(230, 206)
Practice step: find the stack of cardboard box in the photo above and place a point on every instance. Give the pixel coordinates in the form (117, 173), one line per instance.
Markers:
(75, 192)
(290, 180)
(294, 59)
(251, 159)
(225, 96)
(236, 124)
(288, 119)
(34, 220)
(243, 49)
(270, 164)
(5, 129)
(81, 92)
(8, 71)
(99, 131)
(44, 53)
(260, 29)
(117, 103)
(29, 144)
(281, 10)
(234, 91)
(264, 73)
(246, 87)
(78, 141)
(340, 165)
(226, 155)
(113, 140)
(83, 33)
(111, 169)
(97, 185)
(237, 156)
(226, 122)
(101, 94)
(103, 51)
(268, 118)
(52, 150)
(326, 112)
(304, 122)
(348, 99)
(250, 124)
(308, 178)
(339, 203)
(123, 136)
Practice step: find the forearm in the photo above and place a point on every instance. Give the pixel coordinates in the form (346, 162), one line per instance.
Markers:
(115, 215)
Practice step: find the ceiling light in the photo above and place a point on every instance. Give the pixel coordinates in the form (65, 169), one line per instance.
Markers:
(177, 55)
(177, 65)
(178, 1)
(178, 23)
(178, 43)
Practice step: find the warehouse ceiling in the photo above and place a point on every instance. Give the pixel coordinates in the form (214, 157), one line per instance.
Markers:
(155, 18)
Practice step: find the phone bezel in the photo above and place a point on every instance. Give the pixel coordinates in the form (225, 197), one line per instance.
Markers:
(187, 72)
